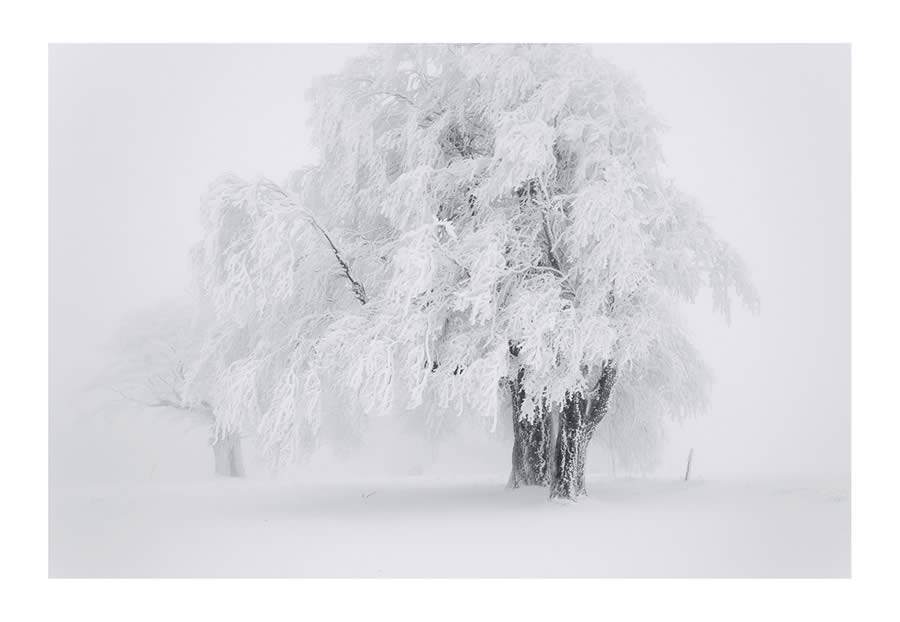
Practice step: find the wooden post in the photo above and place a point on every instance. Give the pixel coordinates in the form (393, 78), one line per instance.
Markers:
(687, 472)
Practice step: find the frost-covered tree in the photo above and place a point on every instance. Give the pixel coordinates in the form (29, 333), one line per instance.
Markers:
(482, 218)
(154, 352)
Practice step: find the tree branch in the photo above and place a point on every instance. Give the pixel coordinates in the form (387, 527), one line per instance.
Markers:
(358, 290)
(399, 96)
(599, 397)
(204, 408)
(555, 263)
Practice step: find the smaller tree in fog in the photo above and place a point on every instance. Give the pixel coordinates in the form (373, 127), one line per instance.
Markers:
(156, 350)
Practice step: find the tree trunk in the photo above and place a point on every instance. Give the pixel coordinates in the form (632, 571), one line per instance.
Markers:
(571, 447)
(229, 459)
(577, 421)
(531, 442)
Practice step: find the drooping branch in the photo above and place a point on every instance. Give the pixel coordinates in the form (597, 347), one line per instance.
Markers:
(358, 289)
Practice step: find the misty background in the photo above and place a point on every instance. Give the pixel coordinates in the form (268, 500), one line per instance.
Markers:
(760, 134)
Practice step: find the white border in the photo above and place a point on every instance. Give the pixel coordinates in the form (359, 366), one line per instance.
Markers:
(25, 34)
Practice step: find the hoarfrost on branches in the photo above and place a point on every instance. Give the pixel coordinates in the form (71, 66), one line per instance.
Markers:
(478, 214)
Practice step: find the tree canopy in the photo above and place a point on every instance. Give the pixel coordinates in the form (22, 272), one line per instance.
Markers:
(476, 210)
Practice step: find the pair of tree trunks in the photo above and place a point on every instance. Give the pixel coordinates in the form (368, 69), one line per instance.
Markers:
(228, 455)
(536, 460)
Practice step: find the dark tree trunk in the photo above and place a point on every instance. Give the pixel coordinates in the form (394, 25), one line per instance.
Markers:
(577, 421)
(531, 442)
(571, 445)
(229, 459)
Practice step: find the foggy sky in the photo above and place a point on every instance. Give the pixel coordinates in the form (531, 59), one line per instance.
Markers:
(760, 134)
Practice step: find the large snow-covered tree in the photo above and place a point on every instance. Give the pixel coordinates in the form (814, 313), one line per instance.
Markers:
(483, 218)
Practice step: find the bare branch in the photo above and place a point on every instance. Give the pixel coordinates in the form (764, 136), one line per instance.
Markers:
(358, 290)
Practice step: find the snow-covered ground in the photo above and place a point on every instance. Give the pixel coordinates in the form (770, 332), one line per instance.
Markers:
(133, 495)
(435, 527)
